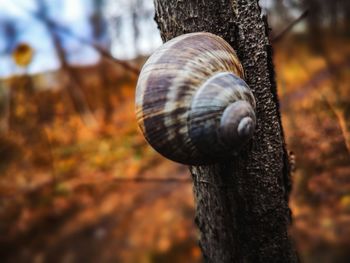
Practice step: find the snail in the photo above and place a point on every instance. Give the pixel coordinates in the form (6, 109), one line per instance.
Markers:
(192, 105)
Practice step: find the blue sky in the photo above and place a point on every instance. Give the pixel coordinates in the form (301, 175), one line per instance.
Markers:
(74, 14)
(71, 13)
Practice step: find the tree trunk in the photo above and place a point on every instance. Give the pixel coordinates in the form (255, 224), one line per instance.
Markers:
(241, 204)
(78, 98)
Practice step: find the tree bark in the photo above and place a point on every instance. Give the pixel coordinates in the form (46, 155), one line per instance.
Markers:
(242, 203)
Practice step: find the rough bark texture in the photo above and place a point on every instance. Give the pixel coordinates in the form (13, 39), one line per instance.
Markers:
(242, 203)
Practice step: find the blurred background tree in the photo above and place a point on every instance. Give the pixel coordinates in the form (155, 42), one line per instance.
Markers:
(78, 182)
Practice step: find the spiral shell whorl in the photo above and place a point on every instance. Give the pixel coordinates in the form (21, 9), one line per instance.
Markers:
(237, 125)
(173, 93)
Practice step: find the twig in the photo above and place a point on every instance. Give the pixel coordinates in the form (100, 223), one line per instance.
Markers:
(100, 49)
(280, 35)
(340, 120)
(152, 180)
(139, 179)
(315, 80)
(74, 90)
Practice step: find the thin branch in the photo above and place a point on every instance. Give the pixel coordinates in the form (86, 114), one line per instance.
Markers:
(316, 79)
(100, 49)
(341, 120)
(74, 90)
(152, 180)
(280, 35)
(139, 179)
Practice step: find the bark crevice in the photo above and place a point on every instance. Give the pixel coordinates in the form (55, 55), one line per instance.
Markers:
(248, 220)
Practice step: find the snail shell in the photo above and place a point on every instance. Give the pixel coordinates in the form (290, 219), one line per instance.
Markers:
(191, 103)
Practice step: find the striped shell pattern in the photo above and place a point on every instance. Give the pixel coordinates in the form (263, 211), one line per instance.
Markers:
(191, 103)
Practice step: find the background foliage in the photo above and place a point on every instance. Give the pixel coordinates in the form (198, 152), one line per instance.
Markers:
(78, 182)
